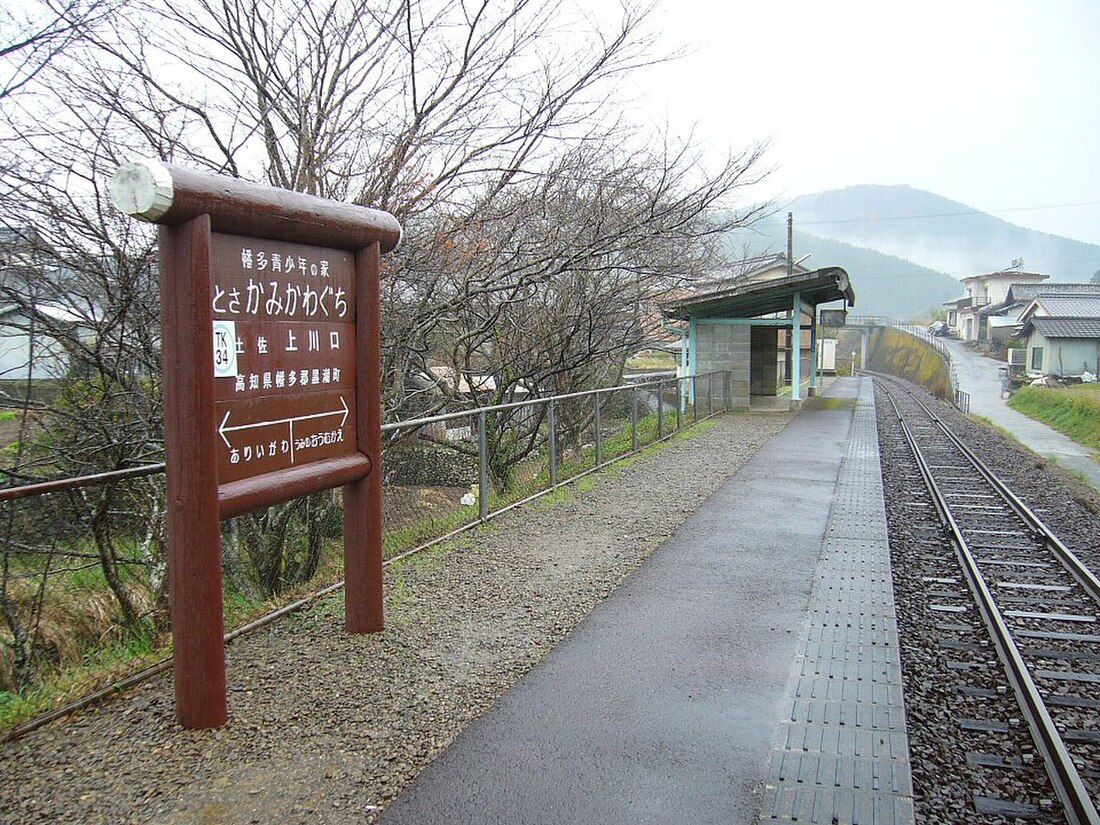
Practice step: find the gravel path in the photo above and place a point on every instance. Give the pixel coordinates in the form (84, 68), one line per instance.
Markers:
(328, 728)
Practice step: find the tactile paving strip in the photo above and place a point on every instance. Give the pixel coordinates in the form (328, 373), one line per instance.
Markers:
(842, 754)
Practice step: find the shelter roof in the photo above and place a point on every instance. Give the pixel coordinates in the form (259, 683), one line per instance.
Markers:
(1065, 327)
(751, 297)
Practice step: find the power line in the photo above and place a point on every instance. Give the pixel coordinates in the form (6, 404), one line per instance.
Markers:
(950, 214)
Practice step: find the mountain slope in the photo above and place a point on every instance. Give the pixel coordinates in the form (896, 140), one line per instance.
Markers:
(939, 233)
(884, 284)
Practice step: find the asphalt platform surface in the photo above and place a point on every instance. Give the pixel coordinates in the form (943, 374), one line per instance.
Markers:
(664, 704)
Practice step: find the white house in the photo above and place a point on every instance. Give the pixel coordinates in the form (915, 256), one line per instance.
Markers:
(966, 318)
(27, 350)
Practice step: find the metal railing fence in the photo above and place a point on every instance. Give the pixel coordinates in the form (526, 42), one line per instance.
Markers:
(84, 560)
(565, 437)
(959, 398)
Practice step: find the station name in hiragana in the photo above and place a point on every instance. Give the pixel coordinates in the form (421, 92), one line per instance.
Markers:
(280, 299)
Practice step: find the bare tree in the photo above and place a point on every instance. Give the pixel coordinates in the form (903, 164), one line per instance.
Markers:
(450, 115)
(537, 220)
(34, 33)
(549, 290)
(80, 287)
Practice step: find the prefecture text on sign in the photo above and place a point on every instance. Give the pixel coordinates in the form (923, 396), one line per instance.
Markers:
(284, 354)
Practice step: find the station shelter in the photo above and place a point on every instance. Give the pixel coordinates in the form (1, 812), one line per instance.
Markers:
(749, 326)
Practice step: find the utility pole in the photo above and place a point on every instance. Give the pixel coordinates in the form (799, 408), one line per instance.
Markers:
(790, 244)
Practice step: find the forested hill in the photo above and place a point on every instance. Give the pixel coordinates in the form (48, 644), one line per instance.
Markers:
(939, 233)
(884, 284)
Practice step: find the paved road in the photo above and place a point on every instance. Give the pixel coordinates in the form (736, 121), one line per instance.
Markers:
(981, 377)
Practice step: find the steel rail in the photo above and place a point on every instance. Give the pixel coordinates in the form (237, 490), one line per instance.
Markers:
(1076, 802)
(1069, 560)
(1073, 565)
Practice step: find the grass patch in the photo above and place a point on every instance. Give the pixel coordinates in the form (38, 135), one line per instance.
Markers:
(564, 494)
(400, 600)
(1073, 411)
(898, 353)
(321, 613)
(100, 667)
(661, 361)
(830, 403)
(83, 607)
(431, 558)
(405, 538)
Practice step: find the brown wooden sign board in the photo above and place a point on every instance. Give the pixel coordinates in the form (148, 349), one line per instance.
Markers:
(270, 348)
(284, 354)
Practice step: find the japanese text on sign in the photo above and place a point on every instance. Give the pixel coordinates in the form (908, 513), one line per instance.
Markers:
(284, 354)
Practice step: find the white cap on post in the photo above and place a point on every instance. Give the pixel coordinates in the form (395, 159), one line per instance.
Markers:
(142, 189)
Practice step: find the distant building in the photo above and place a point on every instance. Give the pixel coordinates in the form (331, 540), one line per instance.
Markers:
(748, 270)
(29, 342)
(966, 316)
(1062, 334)
(49, 312)
(465, 390)
(27, 350)
(1002, 321)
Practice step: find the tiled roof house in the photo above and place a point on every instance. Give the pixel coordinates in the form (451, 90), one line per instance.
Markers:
(1062, 333)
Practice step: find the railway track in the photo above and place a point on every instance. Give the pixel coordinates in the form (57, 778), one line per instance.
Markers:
(1038, 602)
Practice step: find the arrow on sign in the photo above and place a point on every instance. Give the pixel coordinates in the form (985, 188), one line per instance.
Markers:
(223, 428)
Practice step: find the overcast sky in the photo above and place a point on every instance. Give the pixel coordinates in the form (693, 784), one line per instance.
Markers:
(993, 103)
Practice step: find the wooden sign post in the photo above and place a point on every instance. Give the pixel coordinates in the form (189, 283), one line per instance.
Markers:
(270, 348)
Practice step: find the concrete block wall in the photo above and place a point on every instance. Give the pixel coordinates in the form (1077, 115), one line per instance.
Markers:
(724, 347)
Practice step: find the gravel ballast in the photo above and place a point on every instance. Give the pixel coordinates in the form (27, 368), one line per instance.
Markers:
(328, 728)
(952, 677)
